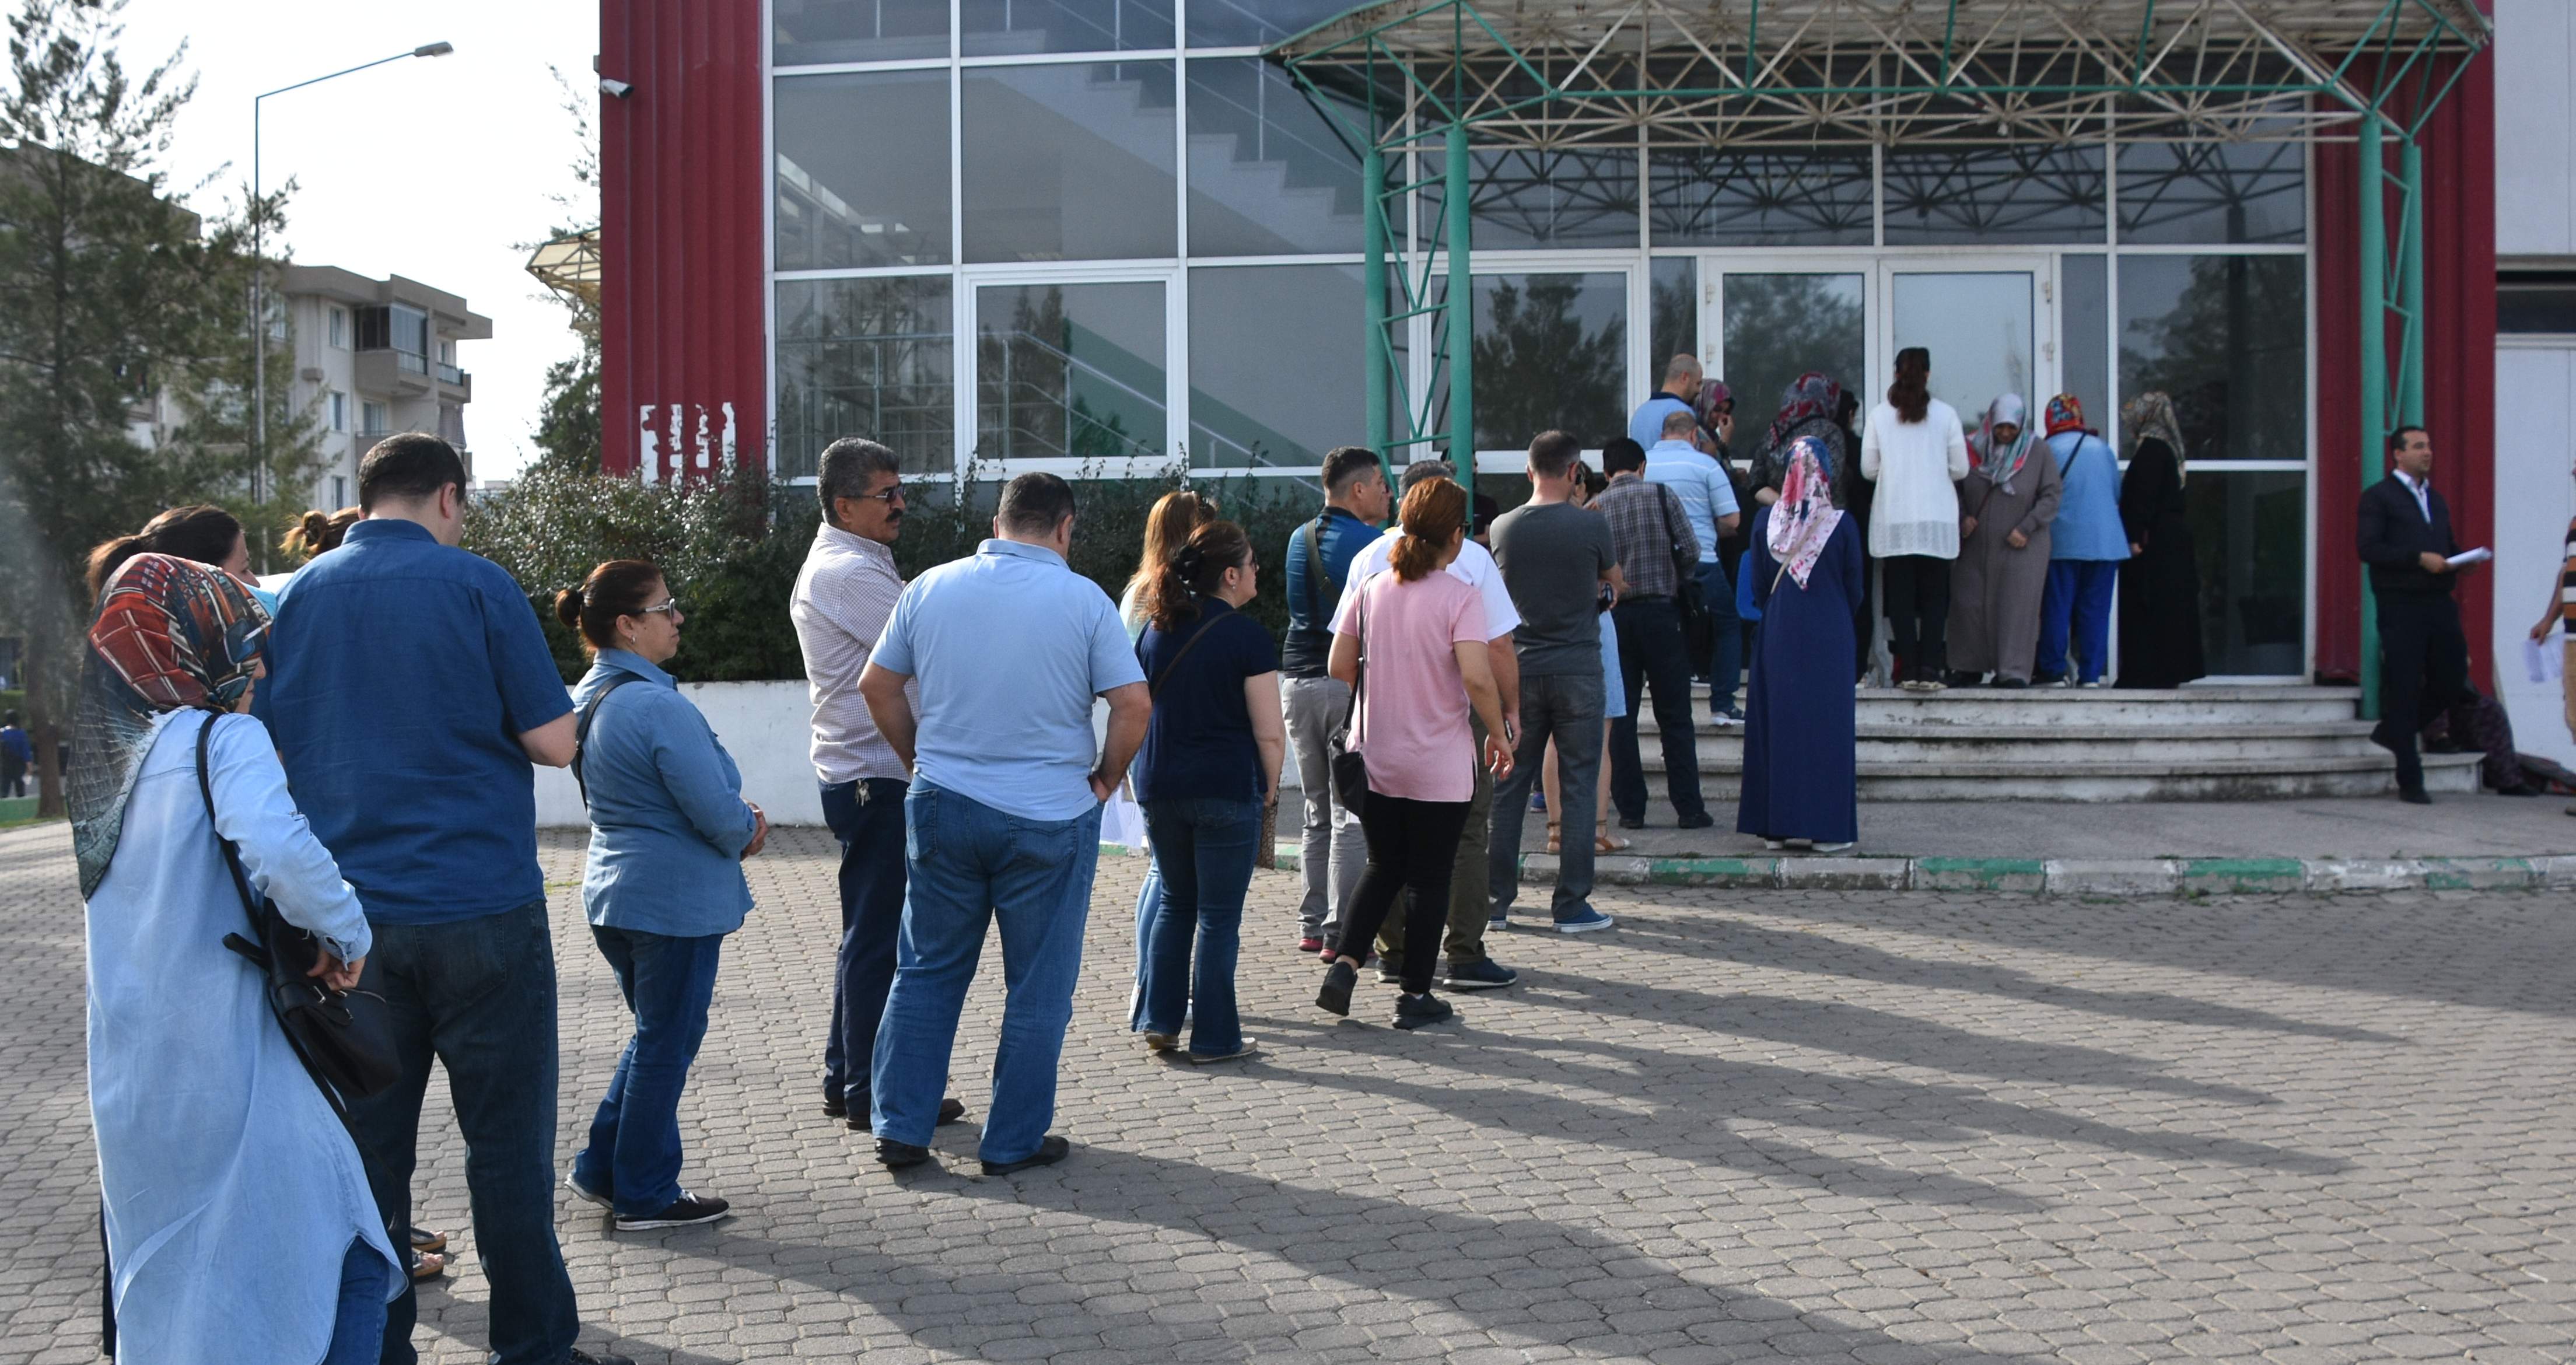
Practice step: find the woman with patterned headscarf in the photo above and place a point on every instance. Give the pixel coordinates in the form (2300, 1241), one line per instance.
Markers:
(1811, 406)
(2006, 505)
(2160, 589)
(215, 1146)
(2086, 546)
(1801, 775)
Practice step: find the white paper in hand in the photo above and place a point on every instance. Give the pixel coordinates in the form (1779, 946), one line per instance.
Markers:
(2541, 663)
(2465, 558)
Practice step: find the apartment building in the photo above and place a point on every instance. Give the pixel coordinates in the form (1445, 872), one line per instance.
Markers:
(374, 357)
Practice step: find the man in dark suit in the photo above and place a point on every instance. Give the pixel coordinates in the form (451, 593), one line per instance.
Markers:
(2406, 540)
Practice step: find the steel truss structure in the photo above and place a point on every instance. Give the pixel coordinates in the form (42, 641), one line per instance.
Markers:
(1433, 87)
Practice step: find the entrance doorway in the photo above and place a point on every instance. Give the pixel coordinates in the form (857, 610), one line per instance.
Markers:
(1987, 323)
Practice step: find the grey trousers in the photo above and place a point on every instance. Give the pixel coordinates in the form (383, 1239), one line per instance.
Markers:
(1567, 706)
(1332, 853)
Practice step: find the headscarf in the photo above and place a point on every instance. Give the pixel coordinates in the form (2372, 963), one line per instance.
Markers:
(1713, 397)
(2000, 466)
(2151, 414)
(171, 634)
(1809, 396)
(1805, 517)
(2064, 413)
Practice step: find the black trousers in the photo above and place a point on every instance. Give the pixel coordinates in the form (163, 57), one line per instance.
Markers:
(1411, 845)
(1652, 655)
(2423, 671)
(1918, 614)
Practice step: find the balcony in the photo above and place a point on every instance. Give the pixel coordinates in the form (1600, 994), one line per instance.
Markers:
(453, 377)
(383, 370)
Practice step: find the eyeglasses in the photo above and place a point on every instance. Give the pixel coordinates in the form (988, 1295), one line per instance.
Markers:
(892, 494)
(671, 606)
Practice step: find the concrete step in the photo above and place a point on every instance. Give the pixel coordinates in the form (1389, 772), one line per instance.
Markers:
(2072, 744)
(2212, 779)
(2057, 706)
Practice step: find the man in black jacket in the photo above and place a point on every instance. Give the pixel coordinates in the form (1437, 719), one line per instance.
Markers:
(2405, 538)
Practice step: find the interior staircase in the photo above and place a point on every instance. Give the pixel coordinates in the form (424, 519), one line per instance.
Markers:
(2198, 743)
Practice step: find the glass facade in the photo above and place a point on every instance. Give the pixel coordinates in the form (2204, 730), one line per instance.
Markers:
(1153, 238)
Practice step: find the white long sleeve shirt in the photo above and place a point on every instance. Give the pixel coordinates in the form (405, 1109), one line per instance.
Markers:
(1917, 467)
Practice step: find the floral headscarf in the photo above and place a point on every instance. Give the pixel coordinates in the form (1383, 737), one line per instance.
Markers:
(2064, 413)
(1805, 517)
(2000, 466)
(171, 635)
(1809, 396)
(2151, 415)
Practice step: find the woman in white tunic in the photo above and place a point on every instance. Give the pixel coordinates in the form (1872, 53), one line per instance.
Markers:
(239, 1226)
(1915, 453)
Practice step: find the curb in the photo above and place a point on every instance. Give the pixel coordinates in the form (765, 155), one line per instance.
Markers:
(2140, 878)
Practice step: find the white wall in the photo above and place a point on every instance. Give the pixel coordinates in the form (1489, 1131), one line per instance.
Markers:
(767, 727)
(2535, 129)
(2535, 414)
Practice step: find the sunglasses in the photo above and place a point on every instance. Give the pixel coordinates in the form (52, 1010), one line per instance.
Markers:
(659, 608)
(892, 495)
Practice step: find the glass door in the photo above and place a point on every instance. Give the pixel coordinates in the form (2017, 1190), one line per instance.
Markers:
(1989, 324)
(1764, 322)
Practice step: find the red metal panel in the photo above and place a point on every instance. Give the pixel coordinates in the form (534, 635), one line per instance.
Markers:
(683, 347)
(2459, 369)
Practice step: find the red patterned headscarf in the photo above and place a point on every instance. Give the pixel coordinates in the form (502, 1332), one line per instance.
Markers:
(171, 635)
(2064, 413)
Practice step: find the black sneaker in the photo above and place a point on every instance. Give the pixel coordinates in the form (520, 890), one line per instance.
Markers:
(1339, 979)
(582, 1357)
(836, 1102)
(1702, 820)
(897, 1155)
(1414, 1011)
(1051, 1149)
(687, 1211)
(950, 1110)
(1483, 974)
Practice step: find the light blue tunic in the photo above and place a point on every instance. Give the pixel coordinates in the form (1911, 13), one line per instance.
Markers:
(232, 1191)
(667, 820)
(2088, 512)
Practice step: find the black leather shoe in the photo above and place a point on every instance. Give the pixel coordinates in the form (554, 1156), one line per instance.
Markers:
(835, 1104)
(1700, 821)
(1632, 822)
(582, 1357)
(895, 1156)
(1051, 1149)
(2414, 796)
(950, 1110)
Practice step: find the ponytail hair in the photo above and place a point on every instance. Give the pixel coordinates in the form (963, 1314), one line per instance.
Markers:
(1433, 514)
(1197, 571)
(1911, 394)
(1167, 528)
(617, 588)
(200, 531)
(317, 531)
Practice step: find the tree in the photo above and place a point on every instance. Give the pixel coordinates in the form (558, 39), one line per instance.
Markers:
(1539, 367)
(113, 297)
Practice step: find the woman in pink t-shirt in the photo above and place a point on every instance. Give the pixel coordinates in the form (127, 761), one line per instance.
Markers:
(1422, 635)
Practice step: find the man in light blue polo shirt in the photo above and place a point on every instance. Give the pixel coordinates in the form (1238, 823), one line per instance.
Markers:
(1708, 499)
(1003, 815)
(1681, 387)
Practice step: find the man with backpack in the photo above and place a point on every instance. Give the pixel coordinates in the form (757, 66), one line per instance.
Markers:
(1318, 560)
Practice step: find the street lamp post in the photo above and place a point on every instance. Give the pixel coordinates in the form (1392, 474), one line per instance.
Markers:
(259, 268)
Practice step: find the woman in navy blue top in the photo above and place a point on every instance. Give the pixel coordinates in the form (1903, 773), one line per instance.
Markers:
(1209, 767)
(664, 884)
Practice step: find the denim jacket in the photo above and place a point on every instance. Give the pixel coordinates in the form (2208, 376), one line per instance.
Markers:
(667, 819)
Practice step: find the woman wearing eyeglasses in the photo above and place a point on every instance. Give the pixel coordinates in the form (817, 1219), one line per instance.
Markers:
(664, 884)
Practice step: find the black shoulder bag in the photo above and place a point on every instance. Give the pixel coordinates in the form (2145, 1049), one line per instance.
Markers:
(1686, 590)
(344, 1038)
(581, 735)
(1350, 770)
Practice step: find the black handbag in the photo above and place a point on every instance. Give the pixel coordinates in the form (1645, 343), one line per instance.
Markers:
(1350, 770)
(1688, 597)
(344, 1038)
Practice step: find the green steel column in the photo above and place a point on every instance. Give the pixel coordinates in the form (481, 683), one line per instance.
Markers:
(1462, 313)
(2372, 167)
(1378, 372)
(2410, 287)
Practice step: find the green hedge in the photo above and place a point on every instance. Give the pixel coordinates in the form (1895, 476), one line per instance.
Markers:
(731, 551)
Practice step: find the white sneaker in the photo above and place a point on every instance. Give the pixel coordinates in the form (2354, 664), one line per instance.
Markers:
(1775, 845)
(1844, 847)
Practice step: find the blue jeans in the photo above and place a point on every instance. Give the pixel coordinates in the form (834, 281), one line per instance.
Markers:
(634, 1152)
(2079, 595)
(1149, 894)
(358, 1334)
(1567, 706)
(1726, 638)
(1651, 654)
(1203, 851)
(478, 996)
(871, 835)
(971, 867)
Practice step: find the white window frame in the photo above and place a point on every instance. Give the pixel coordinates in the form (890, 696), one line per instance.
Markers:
(971, 280)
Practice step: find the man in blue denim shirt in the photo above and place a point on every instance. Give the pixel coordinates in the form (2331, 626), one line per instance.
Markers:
(410, 689)
(1003, 817)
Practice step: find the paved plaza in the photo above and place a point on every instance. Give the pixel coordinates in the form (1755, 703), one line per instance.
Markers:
(1743, 1126)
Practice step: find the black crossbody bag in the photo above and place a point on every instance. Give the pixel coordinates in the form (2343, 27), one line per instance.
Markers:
(1350, 770)
(344, 1038)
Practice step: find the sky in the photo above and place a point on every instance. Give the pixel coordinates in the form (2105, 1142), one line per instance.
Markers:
(432, 168)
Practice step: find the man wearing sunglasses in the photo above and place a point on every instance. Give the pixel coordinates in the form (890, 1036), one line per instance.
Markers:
(843, 596)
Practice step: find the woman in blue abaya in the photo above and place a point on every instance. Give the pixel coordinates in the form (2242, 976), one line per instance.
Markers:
(1801, 778)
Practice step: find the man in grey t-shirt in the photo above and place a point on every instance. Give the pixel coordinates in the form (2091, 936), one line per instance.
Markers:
(1555, 558)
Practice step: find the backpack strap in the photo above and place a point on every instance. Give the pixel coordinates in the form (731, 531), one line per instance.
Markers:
(581, 735)
(1155, 687)
(1315, 571)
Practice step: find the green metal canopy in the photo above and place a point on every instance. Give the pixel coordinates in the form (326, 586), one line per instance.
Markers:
(1410, 80)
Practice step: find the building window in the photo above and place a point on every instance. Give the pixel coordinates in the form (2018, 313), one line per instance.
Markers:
(1673, 327)
(2084, 313)
(2226, 338)
(873, 199)
(1070, 371)
(870, 357)
(1999, 195)
(1707, 198)
(1013, 28)
(340, 328)
(1274, 378)
(1256, 23)
(815, 31)
(373, 421)
(1269, 174)
(1069, 163)
(1551, 352)
(339, 491)
(1777, 327)
(1530, 197)
(2536, 302)
(2190, 193)
(399, 328)
(2249, 534)
(339, 411)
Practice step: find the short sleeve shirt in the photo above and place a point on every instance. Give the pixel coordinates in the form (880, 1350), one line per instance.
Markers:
(1474, 567)
(2567, 582)
(1412, 725)
(1199, 741)
(1009, 647)
(1552, 556)
(401, 674)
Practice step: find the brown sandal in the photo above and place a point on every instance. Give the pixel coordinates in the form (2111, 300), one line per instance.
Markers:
(1555, 837)
(1603, 841)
